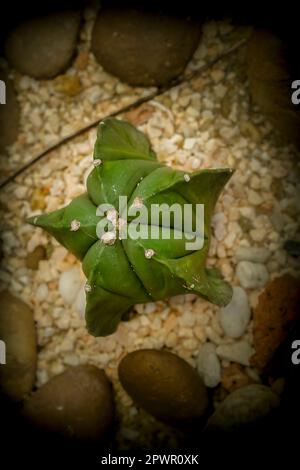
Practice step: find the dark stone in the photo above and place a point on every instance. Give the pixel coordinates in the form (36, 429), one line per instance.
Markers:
(76, 404)
(9, 114)
(270, 77)
(43, 47)
(144, 48)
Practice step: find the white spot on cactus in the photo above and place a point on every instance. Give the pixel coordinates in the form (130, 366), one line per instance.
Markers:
(75, 225)
(186, 177)
(87, 287)
(112, 216)
(138, 202)
(97, 162)
(149, 253)
(108, 238)
(35, 220)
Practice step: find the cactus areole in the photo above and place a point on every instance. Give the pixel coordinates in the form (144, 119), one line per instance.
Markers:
(126, 259)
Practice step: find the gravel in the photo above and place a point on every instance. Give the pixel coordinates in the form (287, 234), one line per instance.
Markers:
(254, 254)
(208, 365)
(69, 283)
(239, 352)
(251, 275)
(234, 318)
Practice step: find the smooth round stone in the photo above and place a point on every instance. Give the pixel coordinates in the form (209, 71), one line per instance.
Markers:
(208, 365)
(235, 317)
(9, 114)
(43, 47)
(270, 74)
(164, 385)
(143, 48)
(251, 275)
(77, 404)
(17, 331)
(243, 407)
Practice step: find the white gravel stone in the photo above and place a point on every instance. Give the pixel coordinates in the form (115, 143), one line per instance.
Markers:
(71, 360)
(69, 284)
(254, 254)
(150, 307)
(41, 292)
(254, 197)
(218, 222)
(251, 275)
(239, 352)
(235, 317)
(80, 302)
(208, 365)
(94, 94)
(189, 143)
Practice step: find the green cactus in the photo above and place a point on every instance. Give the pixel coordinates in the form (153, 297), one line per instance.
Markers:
(122, 271)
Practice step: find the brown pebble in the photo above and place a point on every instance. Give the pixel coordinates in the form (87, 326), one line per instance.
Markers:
(17, 330)
(164, 385)
(77, 404)
(69, 85)
(139, 115)
(274, 317)
(34, 257)
(234, 377)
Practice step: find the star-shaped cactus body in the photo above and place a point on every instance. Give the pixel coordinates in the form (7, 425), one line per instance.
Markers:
(123, 269)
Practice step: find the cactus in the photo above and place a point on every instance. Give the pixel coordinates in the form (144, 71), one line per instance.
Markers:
(122, 271)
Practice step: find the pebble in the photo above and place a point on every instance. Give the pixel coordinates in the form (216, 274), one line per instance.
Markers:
(42, 47)
(243, 407)
(34, 257)
(208, 365)
(239, 352)
(251, 275)
(164, 385)
(68, 85)
(189, 143)
(274, 317)
(9, 114)
(69, 284)
(254, 197)
(218, 221)
(17, 330)
(42, 292)
(77, 404)
(167, 42)
(80, 302)
(234, 377)
(217, 75)
(235, 317)
(258, 235)
(254, 254)
(94, 94)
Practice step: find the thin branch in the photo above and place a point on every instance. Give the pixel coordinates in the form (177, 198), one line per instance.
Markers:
(180, 80)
